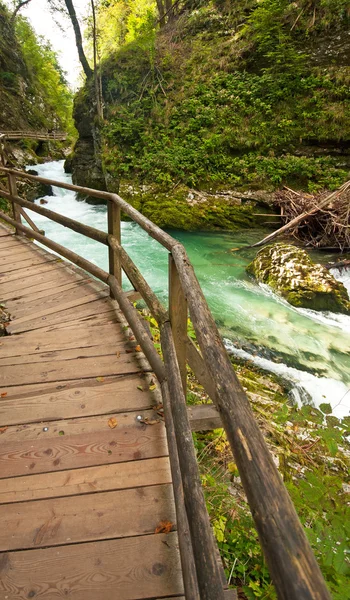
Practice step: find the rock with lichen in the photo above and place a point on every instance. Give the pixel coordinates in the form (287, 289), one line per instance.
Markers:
(4, 319)
(290, 272)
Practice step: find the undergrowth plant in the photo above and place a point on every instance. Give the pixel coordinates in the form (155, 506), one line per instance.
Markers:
(233, 97)
(310, 447)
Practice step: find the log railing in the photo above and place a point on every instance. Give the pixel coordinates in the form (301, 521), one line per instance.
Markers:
(41, 136)
(292, 565)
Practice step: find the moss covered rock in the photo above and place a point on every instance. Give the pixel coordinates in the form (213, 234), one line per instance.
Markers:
(289, 271)
(190, 210)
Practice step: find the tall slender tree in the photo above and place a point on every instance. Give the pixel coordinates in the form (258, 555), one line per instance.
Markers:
(78, 39)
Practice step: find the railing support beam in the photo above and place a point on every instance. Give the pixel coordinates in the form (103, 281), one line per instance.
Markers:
(15, 208)
(178, 319)
(115, 269)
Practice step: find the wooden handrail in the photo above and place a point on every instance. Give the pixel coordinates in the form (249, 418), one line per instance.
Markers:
(36, 135)
(293, 567)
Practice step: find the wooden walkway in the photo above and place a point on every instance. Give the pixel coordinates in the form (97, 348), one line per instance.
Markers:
(84, 485)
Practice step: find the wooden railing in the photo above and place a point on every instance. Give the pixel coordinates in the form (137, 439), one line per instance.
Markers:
(292, 565)
(36, 135)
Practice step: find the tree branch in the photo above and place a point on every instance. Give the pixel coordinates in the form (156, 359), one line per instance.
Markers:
(78, 39)
(18, 8)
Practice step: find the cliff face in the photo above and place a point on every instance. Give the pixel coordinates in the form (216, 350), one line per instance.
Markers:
(33, 92)
(14, 77)
(247, 95)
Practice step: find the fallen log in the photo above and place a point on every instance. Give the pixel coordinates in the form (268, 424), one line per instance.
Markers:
(326, 201)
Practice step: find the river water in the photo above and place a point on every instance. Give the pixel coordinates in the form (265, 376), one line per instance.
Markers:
(309, 350)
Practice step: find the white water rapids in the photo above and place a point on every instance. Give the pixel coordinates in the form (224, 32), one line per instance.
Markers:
(309, 350)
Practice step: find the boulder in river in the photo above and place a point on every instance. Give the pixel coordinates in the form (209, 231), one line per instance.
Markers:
(289, 271)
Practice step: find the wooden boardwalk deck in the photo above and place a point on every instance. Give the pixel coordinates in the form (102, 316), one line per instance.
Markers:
(80, 501)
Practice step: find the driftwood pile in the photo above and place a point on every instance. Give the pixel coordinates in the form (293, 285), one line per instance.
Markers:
(319, 221)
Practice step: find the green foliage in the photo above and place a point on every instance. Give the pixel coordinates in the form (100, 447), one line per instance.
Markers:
(121, 21)
(310, 445)
(246, 112)
(50, 100)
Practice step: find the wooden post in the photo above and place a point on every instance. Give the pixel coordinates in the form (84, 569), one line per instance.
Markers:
(114, 229)
(178, 319)
(16, 209)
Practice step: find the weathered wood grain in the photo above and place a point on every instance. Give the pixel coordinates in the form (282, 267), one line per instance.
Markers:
(30, 271)
(40, 283)
(69, 301)
(116, 351)
(280, 531)
(89, 480)
(85, 442)
(12, 266)
(16, 253)
(95, 570)
(45, 274)
(39, 341)
(91, 308)
(61, 250)
(19, 303)
(4, 232)
(76, 398)
(67, 369)
(208, 573)
(105, 515)
(178, 319)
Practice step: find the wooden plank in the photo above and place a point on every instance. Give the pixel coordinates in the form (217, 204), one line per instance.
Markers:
(64, 370)
(49, 274)
(63, 277)
(72, 288)
(12, 242)
(77, 398)
(204, 417)
(10, 238)
(4, 232)
(83, 296)
(17, 250)
(108, 316)
(116, 476)
(106, 515)
(49, 265)
(117, 353)
(86, 442)
(59, 249)
(19, 302)
(13, 266)
(90, 309)
(41, 342)
(89, 571)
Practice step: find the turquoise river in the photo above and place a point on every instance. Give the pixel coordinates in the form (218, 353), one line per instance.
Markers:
(308, 349)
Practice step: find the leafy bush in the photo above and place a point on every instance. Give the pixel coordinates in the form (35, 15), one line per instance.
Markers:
(247, 114)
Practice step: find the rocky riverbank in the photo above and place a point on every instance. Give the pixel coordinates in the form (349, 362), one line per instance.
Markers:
(290, 272)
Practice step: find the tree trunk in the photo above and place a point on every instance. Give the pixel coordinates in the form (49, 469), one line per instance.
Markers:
(96, 69)
(161, 10)
(78, 39)
(169, 10)
(18, 8)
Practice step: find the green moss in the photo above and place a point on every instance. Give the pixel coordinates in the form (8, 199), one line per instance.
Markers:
(179, 209)
(289, 271)
(232, 102)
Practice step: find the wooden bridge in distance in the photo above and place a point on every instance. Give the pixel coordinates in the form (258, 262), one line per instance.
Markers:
(41, 136)
(100, 496)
